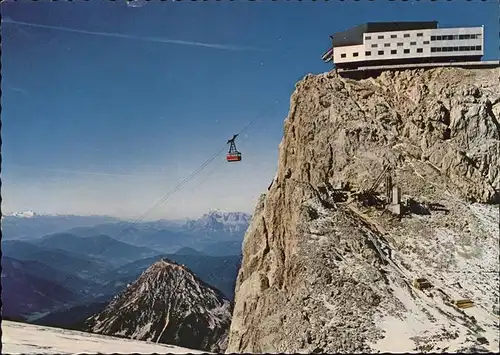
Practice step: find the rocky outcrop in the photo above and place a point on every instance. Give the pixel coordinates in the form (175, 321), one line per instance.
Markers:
(322, 275)
(167, 304)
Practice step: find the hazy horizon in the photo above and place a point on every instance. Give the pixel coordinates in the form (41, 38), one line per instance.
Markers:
(147, 219)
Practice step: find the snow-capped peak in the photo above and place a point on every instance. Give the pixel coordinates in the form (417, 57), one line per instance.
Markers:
(227, 217)
(168, 304)
(25, 214)
(217, 221)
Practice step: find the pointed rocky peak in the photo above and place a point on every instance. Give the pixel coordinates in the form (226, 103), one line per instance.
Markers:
(168, 304)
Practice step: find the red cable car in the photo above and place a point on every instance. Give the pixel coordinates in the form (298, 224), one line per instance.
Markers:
(233, 155)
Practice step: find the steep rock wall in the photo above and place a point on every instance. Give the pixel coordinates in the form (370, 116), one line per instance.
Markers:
(313, 277)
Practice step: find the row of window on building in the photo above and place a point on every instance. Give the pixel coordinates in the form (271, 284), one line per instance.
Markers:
(420, 50)
(393, 51)
(400, 44)
(406, 35)
(433, 38)
(456, 49)
(453, 37)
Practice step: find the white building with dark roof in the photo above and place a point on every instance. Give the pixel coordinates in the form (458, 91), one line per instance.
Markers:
(392, 43)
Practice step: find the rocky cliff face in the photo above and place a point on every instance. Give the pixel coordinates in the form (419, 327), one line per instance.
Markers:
(327, 274)
(168, 304)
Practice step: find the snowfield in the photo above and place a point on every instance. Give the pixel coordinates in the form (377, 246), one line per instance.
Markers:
(459, 266)
(21, 338)
(458, 253)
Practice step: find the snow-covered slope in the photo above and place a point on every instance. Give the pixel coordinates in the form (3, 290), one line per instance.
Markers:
(168, 304)
(21, 338)
(459, 266)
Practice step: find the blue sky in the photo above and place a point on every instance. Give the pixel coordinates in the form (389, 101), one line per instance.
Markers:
(103, 112)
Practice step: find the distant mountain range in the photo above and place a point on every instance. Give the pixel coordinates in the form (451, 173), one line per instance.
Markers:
(101, 247)
(89, 267)
(29, 225)
(168, 236)
(77, 264)
(215, 233)
(24, 214)
(216, 222)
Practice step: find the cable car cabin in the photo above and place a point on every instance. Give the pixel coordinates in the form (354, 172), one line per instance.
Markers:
(233, 154)
(230, 157)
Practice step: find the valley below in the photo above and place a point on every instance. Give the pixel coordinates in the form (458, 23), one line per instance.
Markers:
(62, 279)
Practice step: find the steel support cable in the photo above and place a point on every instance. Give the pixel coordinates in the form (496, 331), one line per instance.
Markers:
(240, 256)
(170, 193)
